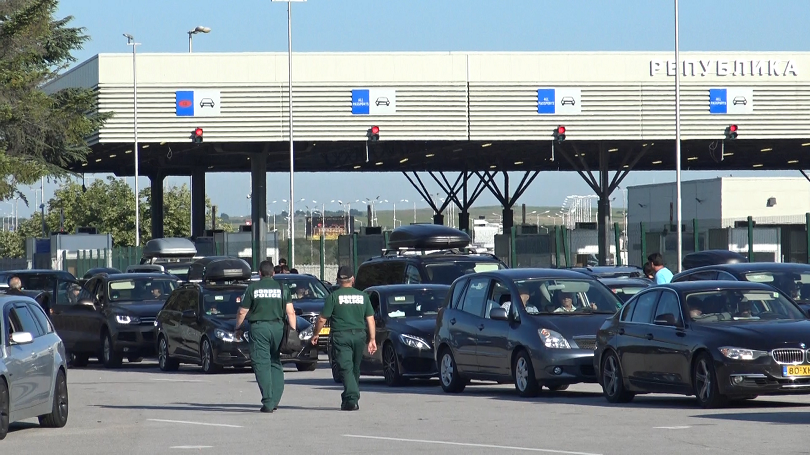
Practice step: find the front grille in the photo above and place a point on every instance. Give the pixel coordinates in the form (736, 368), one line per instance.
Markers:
(586, 342)
(147, 321)
(788, 356)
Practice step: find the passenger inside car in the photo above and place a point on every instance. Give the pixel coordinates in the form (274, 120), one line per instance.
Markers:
(565, 302)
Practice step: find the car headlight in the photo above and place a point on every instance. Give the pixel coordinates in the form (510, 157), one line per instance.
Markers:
(553, 339)
(225, 336)
(414, 342)
(305, 334)
(741, 353)
(126, 319)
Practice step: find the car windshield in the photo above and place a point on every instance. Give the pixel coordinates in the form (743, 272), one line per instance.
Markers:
(222, 303)
(420, 302)
(139, 289)
(794, 284)
(740, 305)
(447, 272)
(567, 296)
(305, 288)
(625, 291)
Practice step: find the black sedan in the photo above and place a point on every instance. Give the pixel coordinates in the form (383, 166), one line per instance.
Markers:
(625, 288)
(533, 327)
(792, 279)
(405, 316)
(308, 297)
(711, 339)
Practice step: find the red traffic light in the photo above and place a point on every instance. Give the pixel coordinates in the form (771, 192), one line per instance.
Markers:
(561, 130)
(198, 132)
(375, 130)
(733, 128)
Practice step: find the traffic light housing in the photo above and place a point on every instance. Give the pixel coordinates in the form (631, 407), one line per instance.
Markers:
(731, 132)
(559, 134)
(197, 136)
(373, 134)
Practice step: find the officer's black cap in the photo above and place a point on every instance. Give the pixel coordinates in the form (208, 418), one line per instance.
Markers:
(345, 273)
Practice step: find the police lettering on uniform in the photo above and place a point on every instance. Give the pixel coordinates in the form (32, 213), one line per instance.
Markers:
(264, 305)
(348, 311)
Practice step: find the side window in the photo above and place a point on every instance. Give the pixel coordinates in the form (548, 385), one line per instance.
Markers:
(375, 302)
(412, 275)
(725, 276)
(380, 273)
(645, 306)
(669, 309)
(627, 311)
(173, 303)
(89, 290)
(189, 300)
(458, 291)
(476, 295)
(24, 321)
(39, 315)
(499, 294)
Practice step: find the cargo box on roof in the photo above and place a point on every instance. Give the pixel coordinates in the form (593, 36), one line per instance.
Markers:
(169, 248)
(427, 237)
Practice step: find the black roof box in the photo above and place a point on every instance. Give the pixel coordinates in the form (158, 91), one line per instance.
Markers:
(219, 268)
(173, 247)
(427, 237)
(712, 257)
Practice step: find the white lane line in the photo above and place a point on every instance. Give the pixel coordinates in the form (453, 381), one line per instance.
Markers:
(196, 423)
(464, 444)
(681, 427)
(191, 447)
(179, 380)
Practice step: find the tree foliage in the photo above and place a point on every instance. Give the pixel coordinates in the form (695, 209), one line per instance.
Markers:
(40, 132)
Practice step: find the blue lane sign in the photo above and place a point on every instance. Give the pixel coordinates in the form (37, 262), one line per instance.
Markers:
(184, 102)
(545, 101)
(718, 101)
(360, 102)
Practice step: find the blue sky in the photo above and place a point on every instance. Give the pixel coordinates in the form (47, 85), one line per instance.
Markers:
(434, 25)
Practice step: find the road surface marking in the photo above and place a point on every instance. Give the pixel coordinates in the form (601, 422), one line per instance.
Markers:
(196, 423)
(179, 380)
(191, 447)
(682, 427)
(464, 444)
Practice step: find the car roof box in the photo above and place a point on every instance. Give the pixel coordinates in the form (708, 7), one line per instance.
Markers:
(427, 236)
(219, 268)
(174, 247)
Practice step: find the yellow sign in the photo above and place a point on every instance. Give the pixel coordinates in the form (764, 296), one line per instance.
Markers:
(797, 370)
(324, 331)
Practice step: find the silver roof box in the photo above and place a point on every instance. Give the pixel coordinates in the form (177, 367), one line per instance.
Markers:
(169, 248)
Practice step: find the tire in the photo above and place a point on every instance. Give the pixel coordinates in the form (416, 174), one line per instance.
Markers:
(207, 358)
(393, 377)
(165, 362)
(59, 413)
(4, 409)
(109, 357)
(523, 374)
(79, 360)
(613, 380)
(704, 383)
(451, 380)
(558, 388)
(310, 366)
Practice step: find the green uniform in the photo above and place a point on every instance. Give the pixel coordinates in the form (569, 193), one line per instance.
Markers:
(266, 302)
(347, 310)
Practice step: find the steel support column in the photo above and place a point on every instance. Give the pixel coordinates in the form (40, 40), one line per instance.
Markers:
(197, 202)
(507, 201)
(156, 204)
(603, 208)
(258, 207)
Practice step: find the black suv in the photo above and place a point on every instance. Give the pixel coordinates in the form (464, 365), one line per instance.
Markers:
(113, 317)
(197, 323)
(424, 253)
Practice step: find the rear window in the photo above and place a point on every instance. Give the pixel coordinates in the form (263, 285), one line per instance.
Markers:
(447, 272)
(222, 303)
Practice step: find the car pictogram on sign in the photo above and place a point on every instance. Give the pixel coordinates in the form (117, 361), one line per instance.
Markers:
(206, 102)
(739, 100)
(567, 100)
(382, 100)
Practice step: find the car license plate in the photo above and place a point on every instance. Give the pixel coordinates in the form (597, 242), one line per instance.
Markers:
(796, 370)
(325, 331)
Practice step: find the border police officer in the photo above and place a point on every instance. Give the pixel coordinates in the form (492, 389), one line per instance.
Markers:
(346, 308)
(264, 304)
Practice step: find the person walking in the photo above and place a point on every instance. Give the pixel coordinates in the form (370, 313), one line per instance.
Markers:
(662, 274)
(348, 310)
(264, 304)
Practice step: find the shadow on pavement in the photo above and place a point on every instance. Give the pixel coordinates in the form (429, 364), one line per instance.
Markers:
(211, 407)
(777, 418)
(19, 426)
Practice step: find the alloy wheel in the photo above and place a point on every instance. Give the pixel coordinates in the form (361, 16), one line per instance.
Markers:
(610, 376)
(206, 360)
(703, 381)
(62, 398)
(522, 374)
(390, 366)
(163, 354)
(4, 409)
(448, 369)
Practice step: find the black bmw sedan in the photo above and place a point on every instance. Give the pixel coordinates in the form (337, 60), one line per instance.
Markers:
(405, 317)
(716, 340)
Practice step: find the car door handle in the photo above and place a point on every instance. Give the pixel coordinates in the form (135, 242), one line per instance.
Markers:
(650, 336)
(621, 331)
(481, 327)
(453, 321)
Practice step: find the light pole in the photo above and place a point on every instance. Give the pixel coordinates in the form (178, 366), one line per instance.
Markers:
(290, 109)
(131, 42)
(678, 138)
(198, 29)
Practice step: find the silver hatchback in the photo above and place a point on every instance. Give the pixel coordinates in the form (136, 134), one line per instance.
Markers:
(33, 370)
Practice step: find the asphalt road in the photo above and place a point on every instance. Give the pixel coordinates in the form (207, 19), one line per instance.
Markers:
(141, 410)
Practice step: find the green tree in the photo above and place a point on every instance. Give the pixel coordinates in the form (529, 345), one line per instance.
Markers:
(40, 133)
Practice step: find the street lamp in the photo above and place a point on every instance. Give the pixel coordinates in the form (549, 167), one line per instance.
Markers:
(198, 29)
(678, 140)
(131, 42)
(290, 109)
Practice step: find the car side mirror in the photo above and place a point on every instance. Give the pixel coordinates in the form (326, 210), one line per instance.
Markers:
(189, 314)
(665, 319)
(21, 338)
(498, 314)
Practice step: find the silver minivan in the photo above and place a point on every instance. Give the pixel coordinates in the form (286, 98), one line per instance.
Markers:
(33, 370)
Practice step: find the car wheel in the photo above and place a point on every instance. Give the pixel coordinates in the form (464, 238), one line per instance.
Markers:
(59, 413)
(165, 362)
(558, 388)
(612, 380)
(207, 358)
(79, 360)
(109, 357)
(391, 372)
(704, 381)
(452, 381)
(523, 373)
(4, 409)
(309, 366)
